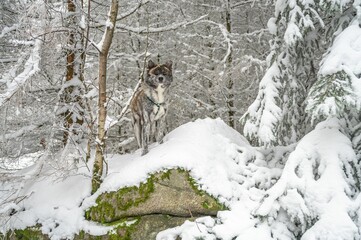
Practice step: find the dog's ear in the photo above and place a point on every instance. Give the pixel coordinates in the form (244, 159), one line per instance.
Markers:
(169, 64)
(151, 64)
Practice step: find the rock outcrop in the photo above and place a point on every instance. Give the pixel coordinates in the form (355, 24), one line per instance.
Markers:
(166, 200)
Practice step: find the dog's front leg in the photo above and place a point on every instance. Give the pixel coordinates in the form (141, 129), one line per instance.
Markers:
(145, 135)
(160, 129)
(153, 132)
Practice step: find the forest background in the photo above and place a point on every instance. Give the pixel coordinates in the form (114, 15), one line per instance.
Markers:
(284, 73)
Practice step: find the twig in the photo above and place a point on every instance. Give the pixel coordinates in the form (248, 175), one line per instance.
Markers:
(194, 221)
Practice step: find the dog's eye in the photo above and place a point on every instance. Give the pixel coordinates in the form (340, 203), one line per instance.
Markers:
(165, 73)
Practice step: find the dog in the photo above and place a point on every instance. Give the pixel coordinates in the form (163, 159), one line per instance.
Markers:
(149, 104)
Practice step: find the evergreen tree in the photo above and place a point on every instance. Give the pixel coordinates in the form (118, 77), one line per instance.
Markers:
(276, 116)
(317, 195)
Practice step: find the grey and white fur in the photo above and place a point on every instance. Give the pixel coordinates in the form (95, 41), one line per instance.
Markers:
(150, 103)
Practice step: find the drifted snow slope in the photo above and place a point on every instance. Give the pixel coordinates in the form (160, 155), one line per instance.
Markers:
(304, 191)
(214, 154)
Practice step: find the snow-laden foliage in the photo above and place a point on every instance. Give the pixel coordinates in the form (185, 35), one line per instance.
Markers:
(338, 89)
(317, 195)
(275, 116)
(317, 187)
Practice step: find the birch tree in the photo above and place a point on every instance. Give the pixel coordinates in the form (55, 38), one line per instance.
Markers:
(103, 48)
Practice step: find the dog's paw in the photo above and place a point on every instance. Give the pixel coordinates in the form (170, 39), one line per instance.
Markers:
(144, 151)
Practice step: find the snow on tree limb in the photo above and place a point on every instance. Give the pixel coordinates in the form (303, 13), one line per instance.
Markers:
(31, 67)
(127, 13)
(146, 30)
(338, 85)
(22, 131)
(125, 109)
(264, 111)
(317, 184)
(7, 30)
(226, 36)
(276, 117)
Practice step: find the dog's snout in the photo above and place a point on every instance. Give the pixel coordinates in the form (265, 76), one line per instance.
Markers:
(160, 79)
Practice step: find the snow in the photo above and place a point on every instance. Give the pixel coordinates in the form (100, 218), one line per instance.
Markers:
(23, 161)
(292, 34)
(265, 198)
(341, 66)
(345, 53)
(313, 185)
(15, 82)
(190, 230)
(7, 30)
(170, 27)
(213, 152)
(192, 146)
(272, 26)
(263, 125)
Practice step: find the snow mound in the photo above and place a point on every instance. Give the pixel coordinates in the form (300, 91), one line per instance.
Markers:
(214, 154)
(309, 196)
(208, 148)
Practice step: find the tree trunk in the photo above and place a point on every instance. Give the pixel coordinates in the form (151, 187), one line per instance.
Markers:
(230, 83)
(67, 97)
(84, 42)
(102, 114)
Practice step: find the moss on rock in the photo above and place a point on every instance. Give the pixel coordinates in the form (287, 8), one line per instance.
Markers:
(108, 204)
(164, 201)
(171, 193)
(30, 233)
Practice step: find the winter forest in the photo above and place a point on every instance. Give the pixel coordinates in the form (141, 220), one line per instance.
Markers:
(261, 140)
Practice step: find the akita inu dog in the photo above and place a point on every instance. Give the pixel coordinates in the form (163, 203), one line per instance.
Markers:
(149, 104)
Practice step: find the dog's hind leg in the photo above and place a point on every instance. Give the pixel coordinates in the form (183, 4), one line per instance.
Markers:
(145, 138)
(137, 128)
(145, 134)
(138, 132)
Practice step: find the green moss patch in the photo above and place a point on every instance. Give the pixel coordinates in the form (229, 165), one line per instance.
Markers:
(123, 199)
(173, 192)
(30, 233)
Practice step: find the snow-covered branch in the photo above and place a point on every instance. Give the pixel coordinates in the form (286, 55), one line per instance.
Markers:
(125, 14)
(226, 36)
(317, 184)
(125, 108)
(147, 30)
(22, 131)
(7, 30)
(30, 68)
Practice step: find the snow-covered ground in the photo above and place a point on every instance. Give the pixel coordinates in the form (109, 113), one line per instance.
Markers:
(214, 153)
(222, 162)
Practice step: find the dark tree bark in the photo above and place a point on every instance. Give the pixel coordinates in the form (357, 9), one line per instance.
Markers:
(230, 82)
(70, 97)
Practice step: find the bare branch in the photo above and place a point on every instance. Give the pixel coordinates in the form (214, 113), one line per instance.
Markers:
(7, 30)
(146, 30)
(242, 3)
(31, 67)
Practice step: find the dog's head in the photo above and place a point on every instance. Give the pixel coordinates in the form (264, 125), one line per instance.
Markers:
(159, 74)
